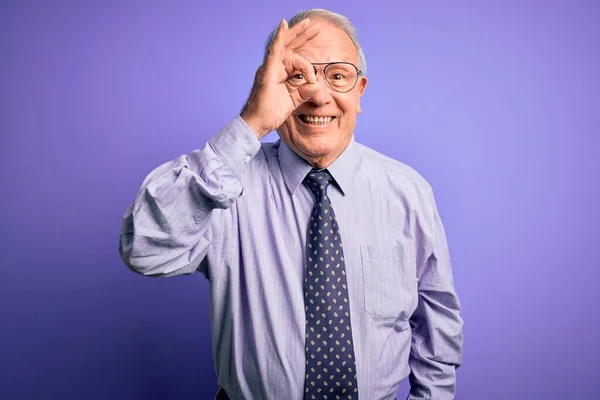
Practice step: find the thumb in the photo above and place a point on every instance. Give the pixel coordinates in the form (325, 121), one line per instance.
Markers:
(304, 93)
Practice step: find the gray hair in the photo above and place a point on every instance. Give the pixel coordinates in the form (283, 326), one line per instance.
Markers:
(337, 20)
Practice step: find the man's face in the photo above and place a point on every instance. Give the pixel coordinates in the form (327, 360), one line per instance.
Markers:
(320, 144)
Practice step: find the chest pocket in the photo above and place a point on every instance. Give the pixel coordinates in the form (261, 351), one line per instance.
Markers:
(390, 282)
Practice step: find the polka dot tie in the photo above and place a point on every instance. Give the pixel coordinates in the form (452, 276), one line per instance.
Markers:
(330, 362)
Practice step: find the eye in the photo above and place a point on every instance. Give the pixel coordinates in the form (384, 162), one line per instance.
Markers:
(337, 76)
(298, 77)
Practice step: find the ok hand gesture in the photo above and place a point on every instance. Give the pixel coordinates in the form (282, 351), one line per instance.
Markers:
(273, 97)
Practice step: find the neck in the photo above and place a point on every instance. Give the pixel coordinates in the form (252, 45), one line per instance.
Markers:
(324, 161)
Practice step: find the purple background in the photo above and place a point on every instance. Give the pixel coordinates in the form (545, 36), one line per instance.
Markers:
(496, 104)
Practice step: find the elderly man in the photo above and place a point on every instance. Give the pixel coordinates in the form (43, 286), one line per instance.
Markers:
(328, 265)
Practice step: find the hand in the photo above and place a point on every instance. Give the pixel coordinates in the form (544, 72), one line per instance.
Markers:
(273, 97)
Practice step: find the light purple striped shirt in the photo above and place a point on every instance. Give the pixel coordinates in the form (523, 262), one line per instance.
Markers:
(238, 212)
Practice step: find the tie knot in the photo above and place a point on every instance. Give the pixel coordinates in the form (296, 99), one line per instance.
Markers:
(318, 181)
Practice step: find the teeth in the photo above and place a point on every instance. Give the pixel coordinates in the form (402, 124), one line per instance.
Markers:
(317, 120)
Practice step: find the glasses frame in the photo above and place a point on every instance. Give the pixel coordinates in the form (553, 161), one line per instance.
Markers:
(327, 64)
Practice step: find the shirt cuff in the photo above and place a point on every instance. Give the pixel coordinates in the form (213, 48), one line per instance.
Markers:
(236, 145)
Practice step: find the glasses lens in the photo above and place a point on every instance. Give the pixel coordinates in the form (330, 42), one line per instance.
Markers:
(341, 76)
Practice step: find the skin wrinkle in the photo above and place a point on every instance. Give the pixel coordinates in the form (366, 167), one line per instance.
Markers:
(317, 146)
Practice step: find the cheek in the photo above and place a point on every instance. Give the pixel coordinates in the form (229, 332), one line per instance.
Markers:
(349, 113)
(285, 128)
(349, 105)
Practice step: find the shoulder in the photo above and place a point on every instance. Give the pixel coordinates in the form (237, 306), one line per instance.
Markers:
(266, 151)
(258, 168)
(269, 149)
(395, 170)
(396, 180)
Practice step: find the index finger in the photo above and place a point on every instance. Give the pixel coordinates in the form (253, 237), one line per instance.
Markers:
(277, 46)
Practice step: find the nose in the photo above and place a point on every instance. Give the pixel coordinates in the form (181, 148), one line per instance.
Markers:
(322, 95)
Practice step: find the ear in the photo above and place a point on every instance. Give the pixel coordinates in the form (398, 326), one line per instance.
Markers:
(362, 85)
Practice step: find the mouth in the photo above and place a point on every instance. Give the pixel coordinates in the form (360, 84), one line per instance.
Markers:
(315, 120)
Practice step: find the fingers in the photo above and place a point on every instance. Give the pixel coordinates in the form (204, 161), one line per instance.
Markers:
(303, 94)
(277, 47)
(282, 49)
(292, 38)
(303, 30)
(297, 29)
(295, 64)
(301, 80)
(275, 54)
(303, 36)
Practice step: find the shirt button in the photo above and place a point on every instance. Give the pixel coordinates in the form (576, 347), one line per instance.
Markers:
(247, 159)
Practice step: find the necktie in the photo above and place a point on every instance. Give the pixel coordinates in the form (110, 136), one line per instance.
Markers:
(330, 361)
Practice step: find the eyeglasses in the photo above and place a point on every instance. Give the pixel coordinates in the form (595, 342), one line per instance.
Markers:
(341, 76)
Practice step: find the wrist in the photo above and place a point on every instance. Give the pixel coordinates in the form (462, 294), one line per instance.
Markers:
(254, 125)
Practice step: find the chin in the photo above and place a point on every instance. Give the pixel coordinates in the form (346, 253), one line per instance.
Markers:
(317, 146)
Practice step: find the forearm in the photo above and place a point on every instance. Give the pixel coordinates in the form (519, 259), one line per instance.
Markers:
(437, 339)
(436, 349)
(167, 229)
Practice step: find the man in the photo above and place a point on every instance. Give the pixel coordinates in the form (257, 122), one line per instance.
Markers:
(328, 265)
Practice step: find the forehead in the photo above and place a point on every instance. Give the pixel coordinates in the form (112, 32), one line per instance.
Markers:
(331, 44)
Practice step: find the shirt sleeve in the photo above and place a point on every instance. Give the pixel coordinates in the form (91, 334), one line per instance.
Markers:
(437, 340)
(173, 220)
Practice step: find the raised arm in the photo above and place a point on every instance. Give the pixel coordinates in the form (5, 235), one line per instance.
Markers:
(167, 229)
(171, 224)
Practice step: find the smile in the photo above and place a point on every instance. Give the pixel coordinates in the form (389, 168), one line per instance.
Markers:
(315, 120)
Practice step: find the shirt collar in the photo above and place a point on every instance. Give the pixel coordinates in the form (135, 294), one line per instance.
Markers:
(294, 168)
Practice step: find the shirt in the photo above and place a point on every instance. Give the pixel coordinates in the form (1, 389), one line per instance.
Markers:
(238, 212)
